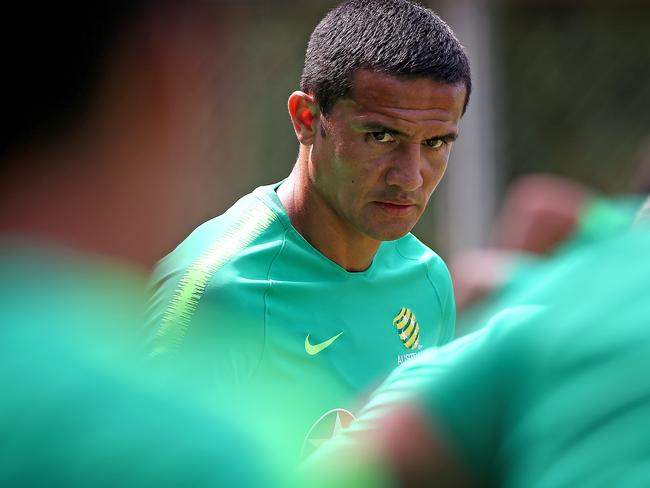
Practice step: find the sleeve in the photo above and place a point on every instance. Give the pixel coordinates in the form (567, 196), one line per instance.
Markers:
(208, 328)
(472, 385)
(405, 383)
(462, 400)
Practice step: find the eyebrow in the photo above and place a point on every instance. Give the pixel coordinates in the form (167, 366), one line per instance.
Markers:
(452, 136)
(376, 127)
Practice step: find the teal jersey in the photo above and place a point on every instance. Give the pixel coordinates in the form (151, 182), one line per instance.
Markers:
(76, 408)
(251, 302)
(550, 395)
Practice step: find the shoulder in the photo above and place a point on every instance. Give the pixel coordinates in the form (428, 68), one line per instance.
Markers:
(410, 249)
(250, 229)
(100, 410)
(221, 265)
(594, 293)
(250, 220)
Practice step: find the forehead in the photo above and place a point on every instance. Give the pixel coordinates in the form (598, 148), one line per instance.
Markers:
(376, 93)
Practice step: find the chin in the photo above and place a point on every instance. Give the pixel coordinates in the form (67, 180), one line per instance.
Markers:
(390, 234)
(394, 237)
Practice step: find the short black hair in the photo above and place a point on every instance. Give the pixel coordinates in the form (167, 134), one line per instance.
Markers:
(53, 56)
(395, 37)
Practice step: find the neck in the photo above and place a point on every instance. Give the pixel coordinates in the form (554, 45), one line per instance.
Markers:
(315, 219)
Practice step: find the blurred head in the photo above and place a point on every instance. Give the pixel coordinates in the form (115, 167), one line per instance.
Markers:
(112, 108)
(56, 56)
(539, 212)
(394, 37)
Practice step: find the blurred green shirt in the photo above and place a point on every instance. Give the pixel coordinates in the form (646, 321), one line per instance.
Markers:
(75, 410)
(600, 219)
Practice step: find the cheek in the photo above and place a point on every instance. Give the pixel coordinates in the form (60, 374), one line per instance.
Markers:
(367, 160)
(348, 162)
(441, 167)
(436, 170)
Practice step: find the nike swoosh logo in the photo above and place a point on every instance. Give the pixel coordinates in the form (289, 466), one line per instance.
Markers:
(313, 349)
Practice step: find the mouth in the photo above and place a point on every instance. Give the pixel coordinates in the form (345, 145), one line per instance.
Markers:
(396, 208)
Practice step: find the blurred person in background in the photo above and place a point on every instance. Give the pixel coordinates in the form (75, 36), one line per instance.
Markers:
(548, 394)
(305, 293)
(111, 110)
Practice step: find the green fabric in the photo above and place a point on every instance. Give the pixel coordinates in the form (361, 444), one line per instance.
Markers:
(603, 217)
(553, 395)
(600, 219)
(263, 289)
(76, 408)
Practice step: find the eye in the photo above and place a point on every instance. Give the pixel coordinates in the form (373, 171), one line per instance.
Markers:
(383, 137)
(434, 143)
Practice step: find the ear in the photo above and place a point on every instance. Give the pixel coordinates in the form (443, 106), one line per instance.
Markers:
(303, 110)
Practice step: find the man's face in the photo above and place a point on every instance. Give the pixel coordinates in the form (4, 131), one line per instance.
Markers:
(379, 154)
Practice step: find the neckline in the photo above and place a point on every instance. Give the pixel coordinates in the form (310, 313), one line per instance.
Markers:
(268, 194)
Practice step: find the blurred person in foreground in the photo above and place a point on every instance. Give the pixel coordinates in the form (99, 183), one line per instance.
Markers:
(542, 216)
(305, 293)
(548, 394)
(109, 114)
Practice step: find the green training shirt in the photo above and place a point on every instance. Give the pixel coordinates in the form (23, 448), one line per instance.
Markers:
(249, 301)
(551, 396)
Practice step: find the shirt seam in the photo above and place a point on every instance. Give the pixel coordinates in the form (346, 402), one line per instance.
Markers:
(441, 304)
(265, 303)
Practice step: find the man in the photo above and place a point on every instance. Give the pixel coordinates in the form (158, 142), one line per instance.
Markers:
(102, 101)
(548, 395)
(312, 289)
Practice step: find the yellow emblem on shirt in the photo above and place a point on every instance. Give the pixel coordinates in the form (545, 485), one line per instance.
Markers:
(408, 328)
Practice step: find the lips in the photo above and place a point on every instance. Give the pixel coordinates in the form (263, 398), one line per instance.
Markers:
(396, 208)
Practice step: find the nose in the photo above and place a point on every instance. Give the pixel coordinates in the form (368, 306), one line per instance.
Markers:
(405, 171)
